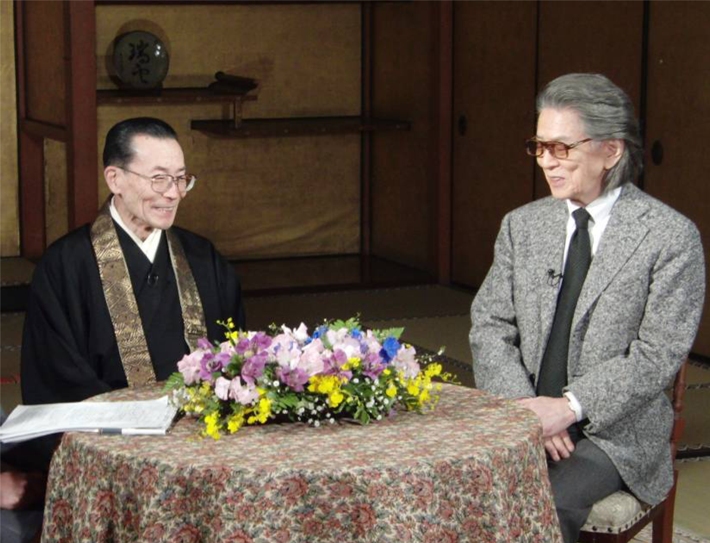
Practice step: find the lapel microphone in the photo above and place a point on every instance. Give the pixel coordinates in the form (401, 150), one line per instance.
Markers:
(553, 279)
(153, 279)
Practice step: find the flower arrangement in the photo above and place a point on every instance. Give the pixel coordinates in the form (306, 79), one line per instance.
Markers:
(340, 370)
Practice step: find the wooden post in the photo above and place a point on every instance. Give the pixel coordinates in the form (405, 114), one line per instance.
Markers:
(444, 122)
(82, 148)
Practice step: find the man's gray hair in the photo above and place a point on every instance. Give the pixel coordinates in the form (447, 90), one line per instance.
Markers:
(606, 113)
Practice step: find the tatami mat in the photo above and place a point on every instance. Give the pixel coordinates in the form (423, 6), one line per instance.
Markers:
(10, 343)
(693, 497)
(371, 305)
(696, 411)
(697, 375)
(15, 271)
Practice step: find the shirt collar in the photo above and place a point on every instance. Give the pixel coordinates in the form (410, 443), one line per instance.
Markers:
(150, 241)
(599, 209)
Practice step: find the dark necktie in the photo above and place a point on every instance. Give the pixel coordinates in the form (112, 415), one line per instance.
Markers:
(553, 369)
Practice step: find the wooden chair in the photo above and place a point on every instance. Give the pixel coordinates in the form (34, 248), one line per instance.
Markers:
(619, 517)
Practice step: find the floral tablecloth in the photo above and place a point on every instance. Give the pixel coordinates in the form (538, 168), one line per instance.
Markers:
(473, 471)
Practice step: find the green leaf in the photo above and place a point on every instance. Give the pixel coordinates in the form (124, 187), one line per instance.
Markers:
(350, 324)
(381, 335)
(174, 382)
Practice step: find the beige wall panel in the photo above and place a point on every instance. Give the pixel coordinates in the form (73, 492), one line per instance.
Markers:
(9, 183)
(678, 118)
(591, 36)
(494, 88)
(265, 197)
(306, 57)
(55, 190)
(278, 197)
(403, 175)
(258, 197)
(44, 61)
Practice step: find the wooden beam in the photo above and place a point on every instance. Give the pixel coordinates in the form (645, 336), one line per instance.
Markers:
(32, 223)
(82, 148)
(43, 130)
(30, 149)
(366, 153)
(443, 143)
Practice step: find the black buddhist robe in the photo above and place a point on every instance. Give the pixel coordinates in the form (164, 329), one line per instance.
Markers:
(69, 350)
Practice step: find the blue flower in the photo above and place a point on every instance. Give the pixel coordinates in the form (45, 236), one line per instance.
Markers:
(390, 346)
(356, 333)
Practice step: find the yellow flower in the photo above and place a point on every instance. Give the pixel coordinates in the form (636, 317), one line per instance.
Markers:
(235, 422)
(262, 411)
(433, 370)
(424, 397)
(352, 363)
(391, 391)
(212, 425)
(335, 398)
(324, 384)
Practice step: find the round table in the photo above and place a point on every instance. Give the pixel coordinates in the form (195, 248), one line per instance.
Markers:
(473, 470)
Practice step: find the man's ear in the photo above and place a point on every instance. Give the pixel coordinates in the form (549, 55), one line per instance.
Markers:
(111, 174)
(614, 149)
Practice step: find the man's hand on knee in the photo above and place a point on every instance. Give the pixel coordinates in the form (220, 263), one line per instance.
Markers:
(559, 446)
(554, 413)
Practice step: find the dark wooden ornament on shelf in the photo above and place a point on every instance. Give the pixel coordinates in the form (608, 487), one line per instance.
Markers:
(232, 84)
(141, 60)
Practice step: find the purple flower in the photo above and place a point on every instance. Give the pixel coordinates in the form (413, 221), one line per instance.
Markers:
(333, 364)
(253, 367)
(190, 367)
(243, 346)
(243, 394)
(204, 344)
(372, 366)
(294, 378)
(254, 344)
(261, 341)
(221, 388)
(210, 364)
(407, 362)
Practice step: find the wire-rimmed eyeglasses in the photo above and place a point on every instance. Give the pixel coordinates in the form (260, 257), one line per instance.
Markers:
(558, 149)
(162, 182)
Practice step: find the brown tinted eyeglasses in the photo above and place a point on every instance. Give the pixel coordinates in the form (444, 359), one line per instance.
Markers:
(535, 147)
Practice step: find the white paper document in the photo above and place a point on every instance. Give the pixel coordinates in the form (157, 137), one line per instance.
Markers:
(128, 418)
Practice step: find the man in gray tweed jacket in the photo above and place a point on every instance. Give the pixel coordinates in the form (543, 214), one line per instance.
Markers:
(607, 427)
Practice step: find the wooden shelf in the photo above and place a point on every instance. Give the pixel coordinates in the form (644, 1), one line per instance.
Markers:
(207, 2)
(183, 95)
(303, 126)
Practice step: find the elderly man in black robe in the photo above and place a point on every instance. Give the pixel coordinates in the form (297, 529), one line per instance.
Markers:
(117, 303)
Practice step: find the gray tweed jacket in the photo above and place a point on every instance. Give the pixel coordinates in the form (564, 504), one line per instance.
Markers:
(635, 322)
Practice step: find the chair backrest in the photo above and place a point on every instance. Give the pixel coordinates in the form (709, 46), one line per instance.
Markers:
(678, 395)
